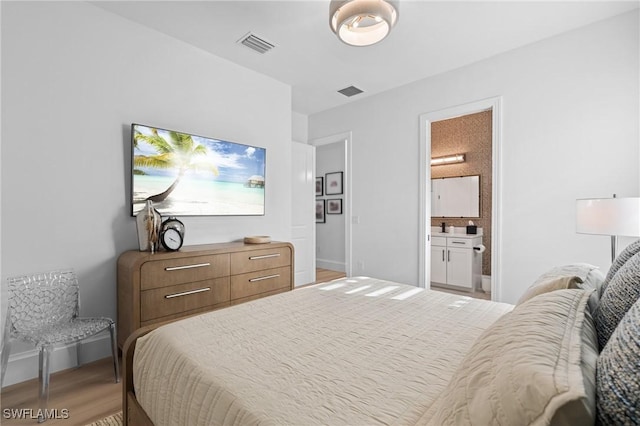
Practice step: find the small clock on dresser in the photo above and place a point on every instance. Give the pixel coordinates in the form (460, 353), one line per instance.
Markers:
(172, 234)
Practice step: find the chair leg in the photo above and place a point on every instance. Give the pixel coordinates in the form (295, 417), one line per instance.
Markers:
(5, 351)
(114, 351)
(44, 373)
(78, 354)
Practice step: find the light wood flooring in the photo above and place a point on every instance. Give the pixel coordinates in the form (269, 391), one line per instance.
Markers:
(89, 393)
(324, 275)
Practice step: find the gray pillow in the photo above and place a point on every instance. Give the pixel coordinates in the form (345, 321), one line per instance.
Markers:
(617, 378)
(621, 293)
(622, 258)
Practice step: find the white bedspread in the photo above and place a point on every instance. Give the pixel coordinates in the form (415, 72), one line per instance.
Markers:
(357, 351)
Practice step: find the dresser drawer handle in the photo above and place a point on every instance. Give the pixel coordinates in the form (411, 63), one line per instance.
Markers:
(266, 256)
(268, 277)
(458, 242)
(177, 268)
(186, 293)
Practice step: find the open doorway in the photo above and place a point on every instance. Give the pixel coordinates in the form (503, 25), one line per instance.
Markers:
(333, 203)
(438, 124)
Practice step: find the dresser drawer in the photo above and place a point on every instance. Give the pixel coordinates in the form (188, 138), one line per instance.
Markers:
(256, 260)
(163, 273)
(252, 283)
(181, 298)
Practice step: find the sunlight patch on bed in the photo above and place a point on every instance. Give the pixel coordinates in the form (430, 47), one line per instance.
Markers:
(355, 290)
(407, 294)
(383, 290)
(461, 302)
(333, 286)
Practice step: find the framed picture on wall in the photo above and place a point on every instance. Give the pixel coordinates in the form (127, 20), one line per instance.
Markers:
(333, 183)
(320, 213)
(334, 206)
(319, 186)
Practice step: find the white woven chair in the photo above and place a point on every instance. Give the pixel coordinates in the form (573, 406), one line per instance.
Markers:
(43, 310)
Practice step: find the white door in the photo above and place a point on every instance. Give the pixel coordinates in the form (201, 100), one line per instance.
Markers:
(303, 215)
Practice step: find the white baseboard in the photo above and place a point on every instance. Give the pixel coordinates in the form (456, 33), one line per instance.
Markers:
(23, 366)
(331, 264)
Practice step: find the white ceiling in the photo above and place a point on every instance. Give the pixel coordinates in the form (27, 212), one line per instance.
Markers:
(430, 38)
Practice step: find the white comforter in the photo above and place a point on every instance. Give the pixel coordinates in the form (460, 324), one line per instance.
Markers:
(356, 351)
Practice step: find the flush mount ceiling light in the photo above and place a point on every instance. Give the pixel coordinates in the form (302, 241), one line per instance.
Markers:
(362, 22)
(449, 159)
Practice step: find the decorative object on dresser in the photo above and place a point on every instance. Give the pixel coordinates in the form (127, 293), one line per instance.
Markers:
(148, 222)
(169, 285)
(257, 239)
(172, 234)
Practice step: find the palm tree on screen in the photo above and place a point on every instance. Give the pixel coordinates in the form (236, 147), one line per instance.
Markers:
(179, 152)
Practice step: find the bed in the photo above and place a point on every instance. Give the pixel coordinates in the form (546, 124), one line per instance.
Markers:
(364, 351)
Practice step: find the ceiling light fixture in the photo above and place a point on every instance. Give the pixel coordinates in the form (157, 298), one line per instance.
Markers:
(362, 22)
(449, 159)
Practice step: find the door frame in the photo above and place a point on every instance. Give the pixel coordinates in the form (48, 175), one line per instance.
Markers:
(424, 252)
(346, 204)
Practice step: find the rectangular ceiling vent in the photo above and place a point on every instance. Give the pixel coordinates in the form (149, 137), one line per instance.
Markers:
(256, 43)
(350, 91)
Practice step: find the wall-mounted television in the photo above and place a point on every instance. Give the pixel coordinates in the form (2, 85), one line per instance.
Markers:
(189, 175)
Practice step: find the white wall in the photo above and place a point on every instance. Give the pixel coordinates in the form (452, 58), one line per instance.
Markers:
(300, 127)
(570, 130)
(74, 77)
(330, 245)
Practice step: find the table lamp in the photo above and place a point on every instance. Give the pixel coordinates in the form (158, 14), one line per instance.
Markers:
(609, 216)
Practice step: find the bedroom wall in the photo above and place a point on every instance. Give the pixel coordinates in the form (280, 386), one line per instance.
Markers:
(74, 77)
(570, 130)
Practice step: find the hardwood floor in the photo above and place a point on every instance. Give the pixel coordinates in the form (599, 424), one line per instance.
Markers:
(82, 395)
(324, 275)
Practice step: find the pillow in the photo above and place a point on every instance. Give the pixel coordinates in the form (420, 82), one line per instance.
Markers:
(620, 260)
(621, 293)
(548, 285)
(617, 380)
(588, 277)
(534, 366)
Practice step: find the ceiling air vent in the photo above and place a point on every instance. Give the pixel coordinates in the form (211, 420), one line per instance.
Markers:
(350, 91)
(256, 43)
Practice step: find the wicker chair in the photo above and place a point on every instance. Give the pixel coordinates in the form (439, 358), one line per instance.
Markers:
(43, 310)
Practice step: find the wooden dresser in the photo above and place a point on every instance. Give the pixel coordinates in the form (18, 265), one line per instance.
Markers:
(168, 285)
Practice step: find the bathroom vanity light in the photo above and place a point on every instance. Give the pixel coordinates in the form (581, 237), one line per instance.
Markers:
(449, 159)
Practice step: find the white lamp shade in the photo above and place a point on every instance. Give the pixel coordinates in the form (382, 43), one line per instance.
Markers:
(608, 216)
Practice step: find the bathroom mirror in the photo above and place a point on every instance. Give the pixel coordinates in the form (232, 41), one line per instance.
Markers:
(456, 197)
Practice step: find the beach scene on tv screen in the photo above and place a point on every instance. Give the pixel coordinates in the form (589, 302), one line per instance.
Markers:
(188, 175)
